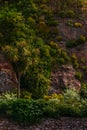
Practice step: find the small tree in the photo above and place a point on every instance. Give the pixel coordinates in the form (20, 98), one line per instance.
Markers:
(19, 57)
(37, 78)
(13, 43)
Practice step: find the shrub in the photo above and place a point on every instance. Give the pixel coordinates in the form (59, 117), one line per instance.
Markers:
(61, 60)
(83, 91)
(75, 60)
(78, 25)
(71, 43)
(69, 23)
(68, 110)
(52, 22)
(74, 43)
(84, 68)
(51, 108)
(70, 14)
(81, 40)
(71, 97)
(38, 83)
(8, 96)
(24, 111)
(43, 29)
(30, 111)
(54, 31)
(56, 109)
(54, 96)
(65, 56)
(43, 6)
(82, 60)
(59, 38)
(53, 45)
(78, 75)
(84, 108)
(62, 14)
(25, 95)
(31, 22)
(3, 107)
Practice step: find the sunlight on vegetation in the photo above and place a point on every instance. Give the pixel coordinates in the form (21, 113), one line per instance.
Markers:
(31, 40)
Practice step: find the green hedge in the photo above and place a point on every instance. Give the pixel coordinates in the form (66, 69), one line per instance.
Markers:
(25, 111)
(30, 111)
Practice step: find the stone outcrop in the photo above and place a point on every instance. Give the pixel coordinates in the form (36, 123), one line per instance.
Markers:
(81, 54)
(69, 32)
(8, 80)
(64, 76)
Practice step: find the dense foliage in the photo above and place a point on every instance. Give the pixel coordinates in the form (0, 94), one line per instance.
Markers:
(30, 40)
(27, 111)
(24, 39)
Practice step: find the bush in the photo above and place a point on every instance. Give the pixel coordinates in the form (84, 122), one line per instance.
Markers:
(81, 40)
(83, 91)
(25, 95)
(71, 97)
(53, 45)
(62, 14)
(56, 109)
(38, 84)
(74, 43)
(78, 76)
(84, 108)
(61, 60)
(42, 29)
(51, 108)
(77, 25)
(54, 96)
(8, 96)
(69, 23)
(3, 108)
(70, 14)
(24, 111)
(59, 38)
(31, 111)
(68, 110)
(52, 22)
(71, 43)
(31, 22)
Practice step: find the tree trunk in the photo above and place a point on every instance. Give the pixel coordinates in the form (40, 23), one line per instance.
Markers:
(18, 89)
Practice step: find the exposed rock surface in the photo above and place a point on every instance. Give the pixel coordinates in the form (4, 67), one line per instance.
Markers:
(71, 32)
(8, 79)
(81, 52)
(48, 124)
(65, 76)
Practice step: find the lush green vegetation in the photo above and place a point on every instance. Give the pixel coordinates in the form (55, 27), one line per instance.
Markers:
(24, 34)
(27, 38)
(29, 111)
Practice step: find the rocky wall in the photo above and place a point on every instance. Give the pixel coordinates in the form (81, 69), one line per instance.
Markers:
(8, 80)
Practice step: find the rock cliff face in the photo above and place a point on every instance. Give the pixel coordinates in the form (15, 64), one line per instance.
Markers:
(8, 80)
(71, 32)
(64, 77)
